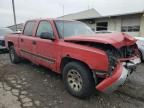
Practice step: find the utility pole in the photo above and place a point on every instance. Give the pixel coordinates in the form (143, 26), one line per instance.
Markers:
(63, 19)
(88, 4)
(14, 14)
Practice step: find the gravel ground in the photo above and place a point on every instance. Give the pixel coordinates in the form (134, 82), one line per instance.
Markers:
(26, 85)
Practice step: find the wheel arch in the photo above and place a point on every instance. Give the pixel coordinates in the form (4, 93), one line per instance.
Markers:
(10, 44)
(68, 59)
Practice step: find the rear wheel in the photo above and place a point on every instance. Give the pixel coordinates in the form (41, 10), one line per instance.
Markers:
(78, 79)
(13, 56)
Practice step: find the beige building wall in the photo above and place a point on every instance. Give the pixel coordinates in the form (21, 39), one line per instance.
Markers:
(142, 26)
(132, 20)
(112, 24)
(115, 23)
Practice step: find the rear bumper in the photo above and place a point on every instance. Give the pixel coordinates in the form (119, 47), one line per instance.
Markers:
(2, 47)
(118, 78)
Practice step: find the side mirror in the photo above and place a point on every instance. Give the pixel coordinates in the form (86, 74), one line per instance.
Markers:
(47, 35)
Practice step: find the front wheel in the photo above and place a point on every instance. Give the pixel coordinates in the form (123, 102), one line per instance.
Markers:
(13, 56)
(78, 80)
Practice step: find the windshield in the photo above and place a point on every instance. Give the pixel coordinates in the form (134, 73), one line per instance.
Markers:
(4, 31)
(72, 28)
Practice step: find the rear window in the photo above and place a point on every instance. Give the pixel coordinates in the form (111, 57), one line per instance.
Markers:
(28, 31)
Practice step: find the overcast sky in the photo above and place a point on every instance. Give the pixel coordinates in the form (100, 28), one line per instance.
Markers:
(29, 9)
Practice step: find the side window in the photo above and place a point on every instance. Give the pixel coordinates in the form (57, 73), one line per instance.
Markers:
(44, 27)
(28, 30)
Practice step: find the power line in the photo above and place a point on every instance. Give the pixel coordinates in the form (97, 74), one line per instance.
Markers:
(14, 14)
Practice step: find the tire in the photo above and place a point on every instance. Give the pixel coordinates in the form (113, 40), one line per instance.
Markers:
(78, 80)
(13, 56)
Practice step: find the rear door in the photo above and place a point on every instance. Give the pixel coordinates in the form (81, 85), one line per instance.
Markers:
(26, 40)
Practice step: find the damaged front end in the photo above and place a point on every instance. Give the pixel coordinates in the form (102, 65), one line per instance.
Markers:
(122, 62)
(118, 78)
(125, 54)
(122, 54)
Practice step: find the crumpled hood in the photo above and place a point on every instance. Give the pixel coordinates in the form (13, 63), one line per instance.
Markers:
(115, 39)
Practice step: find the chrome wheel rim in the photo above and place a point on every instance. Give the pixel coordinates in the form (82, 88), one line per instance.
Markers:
(12, 54)
(74, 80)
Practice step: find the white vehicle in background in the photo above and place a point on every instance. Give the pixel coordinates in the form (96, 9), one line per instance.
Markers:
(3, 33)
(140, 44)
(105, 31)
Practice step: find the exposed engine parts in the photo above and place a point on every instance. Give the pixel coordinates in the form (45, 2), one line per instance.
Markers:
(113, 53)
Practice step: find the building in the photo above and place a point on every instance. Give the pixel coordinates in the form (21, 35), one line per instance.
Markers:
(18, 26)
(82, 15)
(131, 23)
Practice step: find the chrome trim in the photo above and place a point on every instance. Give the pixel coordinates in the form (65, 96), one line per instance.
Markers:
(46, 59)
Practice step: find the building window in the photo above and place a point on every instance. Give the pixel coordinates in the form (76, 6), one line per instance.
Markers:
(101, 26)
(130, 28)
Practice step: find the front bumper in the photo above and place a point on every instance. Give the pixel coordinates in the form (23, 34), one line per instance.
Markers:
(120, 74)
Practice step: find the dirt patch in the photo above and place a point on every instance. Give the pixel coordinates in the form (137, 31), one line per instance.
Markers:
(29, 86)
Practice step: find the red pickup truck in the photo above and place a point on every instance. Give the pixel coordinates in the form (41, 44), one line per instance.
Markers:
(87, 61)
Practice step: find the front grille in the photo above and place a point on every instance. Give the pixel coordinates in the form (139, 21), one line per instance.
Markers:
(2, 42)
(127, 51)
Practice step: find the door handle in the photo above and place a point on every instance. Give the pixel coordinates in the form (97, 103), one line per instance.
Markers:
(22, 40)
(34, 42)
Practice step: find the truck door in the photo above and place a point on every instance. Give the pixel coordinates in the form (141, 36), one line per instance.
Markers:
(45, 48)
(25, 40)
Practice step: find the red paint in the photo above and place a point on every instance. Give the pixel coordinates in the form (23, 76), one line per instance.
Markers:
(116, 39)
(56, 50)
(110, 80)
